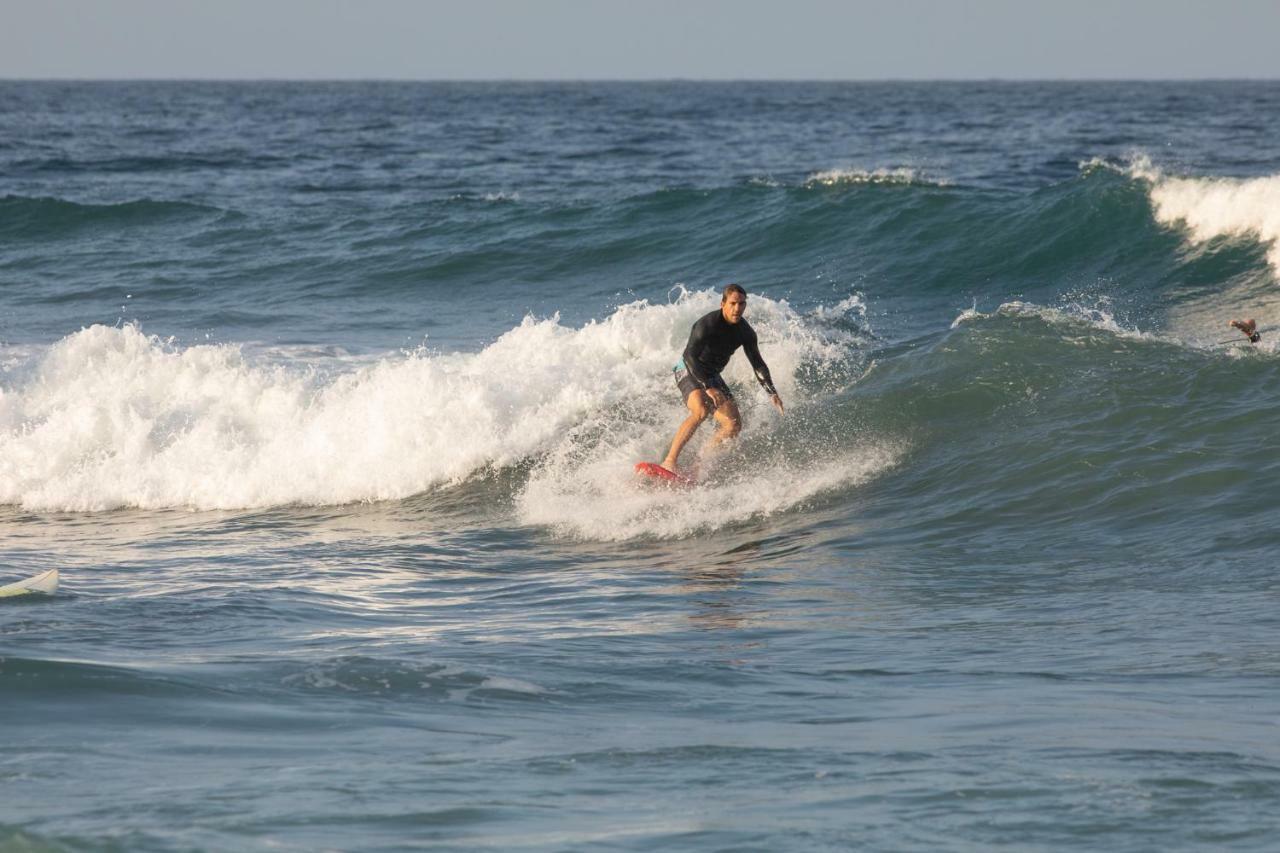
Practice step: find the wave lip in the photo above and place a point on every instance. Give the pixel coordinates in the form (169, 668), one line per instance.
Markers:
(1231, 208)
(1209, 208)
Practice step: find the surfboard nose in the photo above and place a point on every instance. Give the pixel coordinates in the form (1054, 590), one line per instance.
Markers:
(654, 471)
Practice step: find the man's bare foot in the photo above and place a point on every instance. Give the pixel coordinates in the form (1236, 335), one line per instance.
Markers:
(1249, 327)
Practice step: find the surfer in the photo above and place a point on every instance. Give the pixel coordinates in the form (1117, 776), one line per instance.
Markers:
(1249, 327)
(712, 341)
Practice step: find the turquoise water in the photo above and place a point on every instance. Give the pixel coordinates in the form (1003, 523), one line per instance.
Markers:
(324, 399)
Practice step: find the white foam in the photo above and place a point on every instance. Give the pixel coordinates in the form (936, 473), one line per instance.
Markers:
(1223, 207)
(854, 305)
(112, 417)
(900, 175)
(597, 498)
(1070, 314)
(968, 315)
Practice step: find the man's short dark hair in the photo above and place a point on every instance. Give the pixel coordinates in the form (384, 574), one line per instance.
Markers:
(732, 288)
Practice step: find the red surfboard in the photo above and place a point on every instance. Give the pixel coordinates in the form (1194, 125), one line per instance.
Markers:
(655, 472)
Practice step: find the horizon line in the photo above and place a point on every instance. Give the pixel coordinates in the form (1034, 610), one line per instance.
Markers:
(633, 80)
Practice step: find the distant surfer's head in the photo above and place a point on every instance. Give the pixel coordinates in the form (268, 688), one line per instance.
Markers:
(733, 301)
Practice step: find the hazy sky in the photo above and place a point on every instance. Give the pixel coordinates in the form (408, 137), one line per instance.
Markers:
(640, 39)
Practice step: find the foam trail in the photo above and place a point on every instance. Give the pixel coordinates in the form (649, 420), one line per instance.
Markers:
(595, 500)
(111, 417)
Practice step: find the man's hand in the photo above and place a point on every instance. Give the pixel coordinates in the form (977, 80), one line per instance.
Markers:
(777, 402)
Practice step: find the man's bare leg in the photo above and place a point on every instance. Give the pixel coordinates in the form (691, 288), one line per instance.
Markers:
(699, 408)
(728, 423)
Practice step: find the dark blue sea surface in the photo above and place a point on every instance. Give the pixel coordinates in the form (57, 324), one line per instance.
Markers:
(324, 399)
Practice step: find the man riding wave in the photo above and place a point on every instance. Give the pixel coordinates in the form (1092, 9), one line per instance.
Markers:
(712, 342)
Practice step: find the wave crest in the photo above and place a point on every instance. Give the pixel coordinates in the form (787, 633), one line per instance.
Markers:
(43, 218)
(1209, 208)
(111, 417)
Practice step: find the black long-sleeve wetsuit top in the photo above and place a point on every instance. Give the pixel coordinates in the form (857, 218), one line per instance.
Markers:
(713, 341)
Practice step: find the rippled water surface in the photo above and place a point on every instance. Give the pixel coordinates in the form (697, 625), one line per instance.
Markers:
(324, 399)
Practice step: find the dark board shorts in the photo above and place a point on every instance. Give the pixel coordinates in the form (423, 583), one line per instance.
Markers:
(688, 384)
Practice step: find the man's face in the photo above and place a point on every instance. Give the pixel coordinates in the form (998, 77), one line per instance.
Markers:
(733, 306)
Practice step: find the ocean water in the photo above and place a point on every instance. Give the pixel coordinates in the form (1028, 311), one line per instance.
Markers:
(324, 399)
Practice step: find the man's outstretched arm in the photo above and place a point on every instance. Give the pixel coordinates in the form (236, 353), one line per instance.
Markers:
(762, 372)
